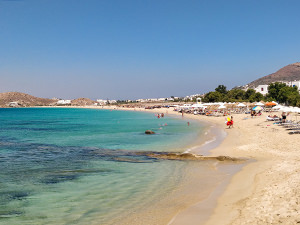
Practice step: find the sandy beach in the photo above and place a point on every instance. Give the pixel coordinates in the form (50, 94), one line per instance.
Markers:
(266, 190)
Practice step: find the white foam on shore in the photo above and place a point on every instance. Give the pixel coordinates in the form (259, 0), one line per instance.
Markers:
(199, 146)
(210, 141)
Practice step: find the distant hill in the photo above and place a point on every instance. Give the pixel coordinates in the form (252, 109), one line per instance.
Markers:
(288, 73)
(26, 100)
(82, 102)
(23, 100)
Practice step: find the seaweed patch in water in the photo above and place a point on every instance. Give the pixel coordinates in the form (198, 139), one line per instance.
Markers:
(54, 179)
(8, 214)
(14, 195)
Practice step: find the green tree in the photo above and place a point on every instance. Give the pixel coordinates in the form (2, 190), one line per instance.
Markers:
(249, 93)
(236, 94)
(221, 89)
(274, 89)
(289, 95)
(213, 96)
(258, 97)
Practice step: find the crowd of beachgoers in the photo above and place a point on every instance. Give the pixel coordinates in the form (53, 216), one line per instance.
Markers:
(283, 115)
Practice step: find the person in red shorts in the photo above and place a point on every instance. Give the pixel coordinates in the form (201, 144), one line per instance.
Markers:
(230, 122)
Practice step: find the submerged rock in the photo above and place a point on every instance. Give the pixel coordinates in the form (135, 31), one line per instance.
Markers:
(149, 132)
(124, 159)
(190, 156)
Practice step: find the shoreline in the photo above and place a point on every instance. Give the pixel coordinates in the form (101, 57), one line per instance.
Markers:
(215, 136)
(190, 215)
(265, 190)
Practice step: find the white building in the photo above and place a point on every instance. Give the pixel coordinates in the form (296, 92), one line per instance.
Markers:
(263, 89)
(141, 100)
(13, 104)
(170, 99)
(295, 83)
(104, 102)
(101, 101)
(63, 102)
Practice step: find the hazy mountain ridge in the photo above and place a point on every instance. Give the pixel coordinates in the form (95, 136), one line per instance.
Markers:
(24, 100)
(290, 72)
(82, 102)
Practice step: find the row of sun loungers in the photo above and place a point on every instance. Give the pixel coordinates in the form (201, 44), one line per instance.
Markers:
(292, 126)
(273, 118)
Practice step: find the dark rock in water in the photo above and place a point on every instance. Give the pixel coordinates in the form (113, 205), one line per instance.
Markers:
(8, 214)
(149, 132)
(189, 156)
(227, 158)
(15, 195)
(124, 159)
(171, 155)
(54, 179)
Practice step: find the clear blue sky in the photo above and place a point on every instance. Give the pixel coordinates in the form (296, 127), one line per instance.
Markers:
(129, 49)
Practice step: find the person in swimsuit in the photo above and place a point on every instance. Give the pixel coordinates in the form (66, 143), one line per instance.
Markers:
(283, 117)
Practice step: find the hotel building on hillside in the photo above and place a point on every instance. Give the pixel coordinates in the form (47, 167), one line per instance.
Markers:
(263, 89)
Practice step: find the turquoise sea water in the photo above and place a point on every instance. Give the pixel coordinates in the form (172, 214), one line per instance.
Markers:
(78, 166)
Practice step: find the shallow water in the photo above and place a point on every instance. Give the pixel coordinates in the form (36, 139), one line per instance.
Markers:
(76, 166)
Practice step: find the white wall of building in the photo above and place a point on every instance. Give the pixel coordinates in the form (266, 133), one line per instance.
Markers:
(263, 89)
(294, 83)
(63, 102)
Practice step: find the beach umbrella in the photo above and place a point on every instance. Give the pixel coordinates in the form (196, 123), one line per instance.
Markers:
(278, 107)
(259, 104)
(222, 107)
(270, 104)
(294, 110)
(198, 106)
(257, 108)
(285, 109)
(241, 105)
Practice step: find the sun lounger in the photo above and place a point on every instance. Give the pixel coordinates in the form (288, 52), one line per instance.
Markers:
(273, 118)
(294, 132)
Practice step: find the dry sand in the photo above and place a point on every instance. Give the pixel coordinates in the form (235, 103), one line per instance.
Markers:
(265, 191)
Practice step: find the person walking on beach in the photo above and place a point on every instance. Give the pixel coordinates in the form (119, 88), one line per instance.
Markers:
(230, 122)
